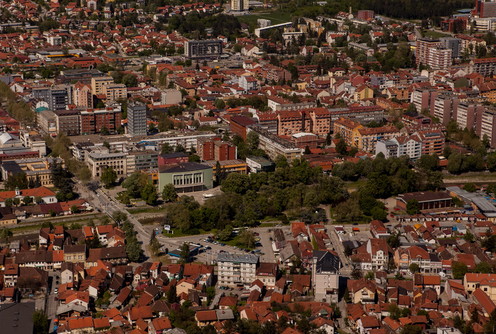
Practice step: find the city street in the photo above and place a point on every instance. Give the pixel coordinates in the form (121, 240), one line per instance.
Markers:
(51, 303)
(108, 205)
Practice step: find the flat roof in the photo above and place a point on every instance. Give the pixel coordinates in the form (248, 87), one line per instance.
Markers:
(241, 258)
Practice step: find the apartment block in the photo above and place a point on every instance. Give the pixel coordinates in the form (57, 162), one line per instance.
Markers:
(68, 122)
(57, 97)
(348, 130)
(94, 120)
(321, 121)
(274, 145)
(136, 119)
(99, 161)
(240, 5)
(487, 126)
(400, 146)
(82, 96)
(98, 84)
(445, 107)
(290, 122)
(432, 53)
(141, 161)
(484, 66)
(433, 141)
(365, 139)
(216, 150)
(236, 269)
(268, 121)
(115, 91)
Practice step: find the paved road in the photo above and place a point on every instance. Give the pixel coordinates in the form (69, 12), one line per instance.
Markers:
(51, 303)
(108, 205)
(339, 248)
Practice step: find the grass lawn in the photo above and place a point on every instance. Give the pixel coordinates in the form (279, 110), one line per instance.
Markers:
(353, 186)
(237, 242)
(145, 210)
(276, 16)
(471, 177)
(177, 233)
(434, 34)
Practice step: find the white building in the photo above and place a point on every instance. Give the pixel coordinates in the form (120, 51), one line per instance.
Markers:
(400, 146)
(325, 277)
(236, 269)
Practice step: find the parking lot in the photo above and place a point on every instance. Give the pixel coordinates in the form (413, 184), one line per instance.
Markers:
(210, 250)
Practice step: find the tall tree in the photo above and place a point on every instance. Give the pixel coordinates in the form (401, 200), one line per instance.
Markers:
(169, 193)
(109, 176)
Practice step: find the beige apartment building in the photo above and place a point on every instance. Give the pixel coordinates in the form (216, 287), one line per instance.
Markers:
(98, 84)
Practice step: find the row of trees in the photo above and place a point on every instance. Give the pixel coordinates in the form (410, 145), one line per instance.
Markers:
(19, 110)
(133, 247)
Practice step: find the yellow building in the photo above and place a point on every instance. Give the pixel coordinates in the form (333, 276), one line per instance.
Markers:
(115, 92)
(229, 166)
(98, 84)
(366, 138)
(36, 169)
(363, 92)
(348, 130)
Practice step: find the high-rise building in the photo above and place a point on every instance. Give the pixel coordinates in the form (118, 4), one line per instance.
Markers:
(432, 53)
(82, 96)
(240, 5)
(57, 97)
(136, 119)
(96, 120)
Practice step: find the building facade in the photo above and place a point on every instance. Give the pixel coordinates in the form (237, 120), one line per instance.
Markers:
(236, 269)
(136, 119)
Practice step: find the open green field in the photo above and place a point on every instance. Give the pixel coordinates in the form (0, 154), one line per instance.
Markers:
(475, 177)
(434, 34)
(276, 16)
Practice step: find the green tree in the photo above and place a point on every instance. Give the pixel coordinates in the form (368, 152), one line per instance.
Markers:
(470, 187)
(412, 207)
(247, 239)
(414, 268)
(348, 211)
(119, 217)
(17, 180)
(134, 183)
(428, 162)
(108, 178)
(27, 200)
(130, 80)
(169, 193)
(411, 329)
(252, 141)
(5, 234)
(484, 268)
(154, 244)
(149, 194)
(459, 269)
(341, 147)
(133, 250)
(236, 183)
(185, 253)
(40, 322)
(220, 104)
(166, 149)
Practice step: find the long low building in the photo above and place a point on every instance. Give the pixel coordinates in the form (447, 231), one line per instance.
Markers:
(426, 199)
(275, 146)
